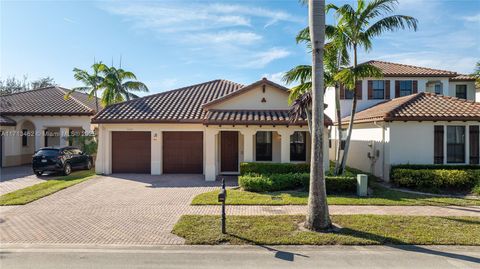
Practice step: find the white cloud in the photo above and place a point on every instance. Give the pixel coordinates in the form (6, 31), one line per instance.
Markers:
(275, 77)
(261, 59)
(194, 17)
(236, 37)
(473, 18)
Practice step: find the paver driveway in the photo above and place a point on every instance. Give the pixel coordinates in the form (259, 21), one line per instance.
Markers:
(17, 177)
(120, 209)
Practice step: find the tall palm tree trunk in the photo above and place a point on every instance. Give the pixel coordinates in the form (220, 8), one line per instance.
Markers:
(352, 116)
(96, 100)
(339, 128)
(318, 218)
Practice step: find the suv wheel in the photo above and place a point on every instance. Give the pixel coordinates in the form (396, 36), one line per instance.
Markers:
(38, 173)
(89, 165)
(67, 169)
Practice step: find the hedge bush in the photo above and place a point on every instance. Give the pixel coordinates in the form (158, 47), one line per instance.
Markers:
(436, 179)
(273, 168)
(435, 166)
(292, 181)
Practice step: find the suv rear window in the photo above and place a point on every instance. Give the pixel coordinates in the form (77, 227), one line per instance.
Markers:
(47, 152)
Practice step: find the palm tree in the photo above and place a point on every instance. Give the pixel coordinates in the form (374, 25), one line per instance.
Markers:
(92, 82)
(318, 218)
(360, 25)
(116, 89)
(476, 75)
(335, 56)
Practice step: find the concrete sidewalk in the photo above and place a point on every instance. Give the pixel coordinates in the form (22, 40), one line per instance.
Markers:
(473, 211)
(212, 257)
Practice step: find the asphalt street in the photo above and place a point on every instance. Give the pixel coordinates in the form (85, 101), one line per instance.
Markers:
(215, 257)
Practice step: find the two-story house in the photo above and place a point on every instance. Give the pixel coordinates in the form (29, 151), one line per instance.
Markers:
(410, 115)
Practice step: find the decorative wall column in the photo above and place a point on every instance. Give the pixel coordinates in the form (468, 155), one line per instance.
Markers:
(248, 135)
(210, 152)
(64, 133)
(285, 144)
(39, 138)
(100, 158)
(156, 148)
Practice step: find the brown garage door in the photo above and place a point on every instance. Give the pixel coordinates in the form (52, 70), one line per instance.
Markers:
(183, 152)
(131, 152)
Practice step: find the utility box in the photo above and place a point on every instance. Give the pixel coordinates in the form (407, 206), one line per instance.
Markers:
(362, 185)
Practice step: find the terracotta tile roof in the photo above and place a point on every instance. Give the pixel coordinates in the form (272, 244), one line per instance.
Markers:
(463, 78)
(245, 117)
(46, 101)
(403, 70)
(420, 107)
(6, 121)
(180, 105)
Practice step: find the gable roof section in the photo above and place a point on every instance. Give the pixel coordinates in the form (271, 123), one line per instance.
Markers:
(420, 107)
(181, 105)
(403, 70)
(47, 101)
(6, 121)
(245, 89)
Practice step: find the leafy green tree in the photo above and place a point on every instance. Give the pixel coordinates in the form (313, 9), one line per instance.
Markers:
(360, 25)
(116, 89)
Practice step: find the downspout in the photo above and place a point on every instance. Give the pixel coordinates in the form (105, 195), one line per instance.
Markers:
(383, 146)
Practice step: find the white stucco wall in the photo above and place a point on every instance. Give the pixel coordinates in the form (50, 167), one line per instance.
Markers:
(397, 143)
(366, 138)
(470, 89)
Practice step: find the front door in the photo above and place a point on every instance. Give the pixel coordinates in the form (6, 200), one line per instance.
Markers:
(229, 151)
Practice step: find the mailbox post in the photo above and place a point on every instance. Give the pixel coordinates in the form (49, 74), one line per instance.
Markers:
(222, 196)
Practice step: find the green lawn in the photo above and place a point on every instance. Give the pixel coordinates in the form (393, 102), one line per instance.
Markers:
(35, 192)
(381, 196)
(356, 230)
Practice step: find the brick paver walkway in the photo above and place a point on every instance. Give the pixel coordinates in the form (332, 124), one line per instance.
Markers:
(15, 178)
(341, 210)
(142, 210)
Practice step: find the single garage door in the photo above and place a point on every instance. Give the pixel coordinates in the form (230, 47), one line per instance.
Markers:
(183, 152)
(131, 152)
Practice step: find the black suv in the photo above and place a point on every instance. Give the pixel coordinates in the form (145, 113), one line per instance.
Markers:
(63, 160)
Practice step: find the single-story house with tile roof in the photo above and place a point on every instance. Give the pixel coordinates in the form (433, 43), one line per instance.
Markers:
(207, 128)
(42, 117)
(420, 128)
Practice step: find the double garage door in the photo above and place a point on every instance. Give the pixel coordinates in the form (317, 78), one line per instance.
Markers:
(182, 152)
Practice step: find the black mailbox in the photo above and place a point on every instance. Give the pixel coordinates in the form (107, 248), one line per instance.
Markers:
(222, 196)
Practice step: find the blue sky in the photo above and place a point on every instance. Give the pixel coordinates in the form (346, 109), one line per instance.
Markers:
(170, 44)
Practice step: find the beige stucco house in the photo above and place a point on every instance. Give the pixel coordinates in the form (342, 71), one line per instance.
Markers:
(43, 117)
(208, 129)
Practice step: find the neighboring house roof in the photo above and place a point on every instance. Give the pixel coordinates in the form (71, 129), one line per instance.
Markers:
(180, 105)
(244, 89)
(403, 70)
(6, 121)
(463, 78)
(47, 101)
(420, 107)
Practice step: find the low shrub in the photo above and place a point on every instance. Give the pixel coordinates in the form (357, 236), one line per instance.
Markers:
(436, 179)
(273, 168)
(292, 181)
(435, 166)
